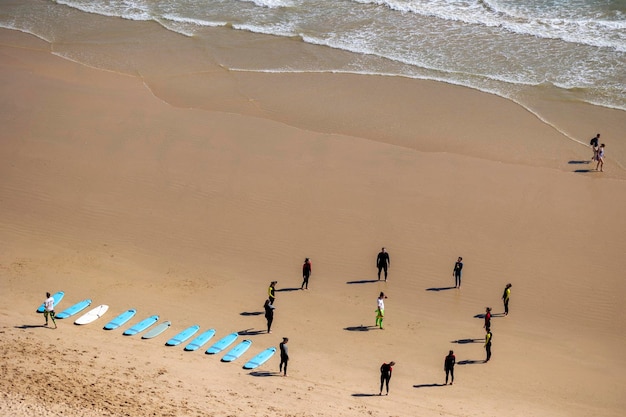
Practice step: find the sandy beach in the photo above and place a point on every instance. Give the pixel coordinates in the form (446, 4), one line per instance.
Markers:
(184, 196)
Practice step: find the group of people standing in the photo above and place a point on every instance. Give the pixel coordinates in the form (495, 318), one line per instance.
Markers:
(450, 359)
(268, 307)
(383, 262)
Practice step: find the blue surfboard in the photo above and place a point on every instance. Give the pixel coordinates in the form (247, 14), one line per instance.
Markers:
(120, 320)
(237, 351)
(157, 330)
(200, 340)
(222, 344)
(76, 308)
(260, 359)
(58, 296)
(141, 326)
(182, 336)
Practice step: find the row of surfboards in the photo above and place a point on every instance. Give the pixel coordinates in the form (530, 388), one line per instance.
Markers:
(180, 338)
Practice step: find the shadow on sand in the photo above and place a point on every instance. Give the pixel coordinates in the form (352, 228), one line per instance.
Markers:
(579, 162)
(31, 326)
(440, 288)
(363, 281)
(465, 341)
(288, 289)
(428, 385)
(585, 170)
(364, 395)
(360, 328)
(250, 332)
(470, 362)
(264, 373)
(251, 313)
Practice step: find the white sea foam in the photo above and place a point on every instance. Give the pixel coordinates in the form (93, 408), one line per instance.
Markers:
(272, 4)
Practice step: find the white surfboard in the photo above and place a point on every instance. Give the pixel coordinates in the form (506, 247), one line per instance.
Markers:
(92, 315)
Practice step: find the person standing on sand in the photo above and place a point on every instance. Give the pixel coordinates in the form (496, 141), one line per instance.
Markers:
(487, 325)
(284, 356)
(307, 269)
(456, 272)
(488, 337)
(448, 366)
(380, 310)
(383, 262)
(600, 163)
(49, 309)
(594, 145)
(505, 298)
(385, 376)
(269, 314)
(271, 291)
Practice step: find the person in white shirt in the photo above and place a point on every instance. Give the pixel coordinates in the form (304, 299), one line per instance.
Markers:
(380, 310)
(49, 309)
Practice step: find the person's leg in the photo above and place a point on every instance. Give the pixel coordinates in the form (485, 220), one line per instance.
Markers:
(269, 324)
(380, 268)
(506, 307)
(382, 382)
(451, 376)
(286, 362)
(385, 268)
(280, 367)
(45, 316)
(52, 316)
(387, 383)
(447, 372)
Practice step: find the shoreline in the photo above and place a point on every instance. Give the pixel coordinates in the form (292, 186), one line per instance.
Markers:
(111, 193)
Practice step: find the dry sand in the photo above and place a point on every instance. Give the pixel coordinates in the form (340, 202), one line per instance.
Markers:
(109, 191)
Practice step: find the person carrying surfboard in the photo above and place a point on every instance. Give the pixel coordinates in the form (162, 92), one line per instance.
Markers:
(49, 309)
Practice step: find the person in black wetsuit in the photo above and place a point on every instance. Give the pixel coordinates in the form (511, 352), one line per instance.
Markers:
(383, 262)
(307, 269)
(456, 272)
(284, 356)
(385, 376)
(448, 366)
(269, 314)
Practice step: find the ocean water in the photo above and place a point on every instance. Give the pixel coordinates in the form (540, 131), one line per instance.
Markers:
(573, 49)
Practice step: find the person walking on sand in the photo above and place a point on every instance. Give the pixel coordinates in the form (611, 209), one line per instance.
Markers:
(385, 376)
(271, 291)
(488, 338)
(594, 145)
(307, 269)
(456, 272)
(600, 163)
(49, 309)
(487, 325)
(383, 262)
(505, 298)
(380, 310)
(284, 356)
(269, 314)
(448, 366)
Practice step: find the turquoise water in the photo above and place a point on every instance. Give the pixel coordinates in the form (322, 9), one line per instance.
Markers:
(576, 48)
